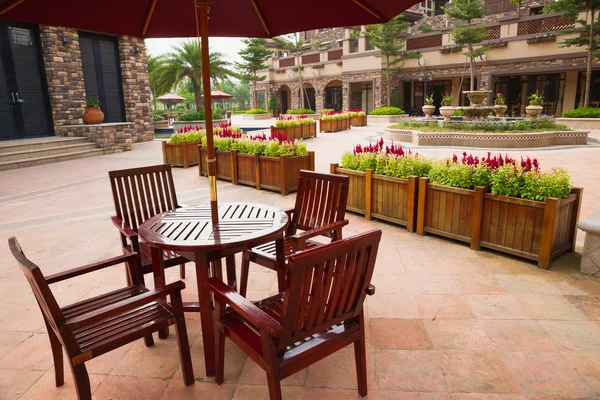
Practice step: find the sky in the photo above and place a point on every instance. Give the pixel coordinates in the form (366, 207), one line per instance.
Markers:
(228, 46)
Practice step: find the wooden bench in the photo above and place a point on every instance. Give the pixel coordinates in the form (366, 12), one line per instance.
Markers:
(590, 259)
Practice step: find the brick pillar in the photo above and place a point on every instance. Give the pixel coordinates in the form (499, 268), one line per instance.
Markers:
(136, 87)
(64, 72)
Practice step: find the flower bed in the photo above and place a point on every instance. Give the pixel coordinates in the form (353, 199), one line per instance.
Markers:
(180, 150)
(357, 118)
(272, 164)
(334, 122)
(542, 38)
(493, 202)
(294, 128)
(256, 113)
(540, 124)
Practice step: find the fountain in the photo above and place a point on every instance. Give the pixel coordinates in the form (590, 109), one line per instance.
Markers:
(476, 109)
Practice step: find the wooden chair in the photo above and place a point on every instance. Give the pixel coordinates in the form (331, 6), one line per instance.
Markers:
(98, 325)
(320, 313)
(139, 194)
(319, 211)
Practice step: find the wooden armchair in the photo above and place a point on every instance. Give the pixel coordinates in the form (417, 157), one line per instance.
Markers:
(139, 194)
(98, 325)
(319, 211)
(320, 313)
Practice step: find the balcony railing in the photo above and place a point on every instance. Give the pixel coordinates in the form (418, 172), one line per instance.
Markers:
(334, 55)
(493, 32)
(549, 24)
(424, 42)
(311, 58)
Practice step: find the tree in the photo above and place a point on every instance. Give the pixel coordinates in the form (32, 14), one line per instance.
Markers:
(294, 45)
(465, 11)
(184, 62)
(253, 57)
(570, 9)
(386, 38)
(240, 91)
(157, 85)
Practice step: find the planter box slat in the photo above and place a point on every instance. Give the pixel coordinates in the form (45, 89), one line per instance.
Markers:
(180, 154)
(334, 125)
(535, 230)
(279, 174)
(358, 121)
(300, 132)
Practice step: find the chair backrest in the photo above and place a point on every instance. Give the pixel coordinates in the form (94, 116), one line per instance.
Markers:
(141, 193)
(327, 286)
(320, 200)
(45, 299)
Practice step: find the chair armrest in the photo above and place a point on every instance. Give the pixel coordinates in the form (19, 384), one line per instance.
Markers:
(124, 305)
(370, 290)
(71, 273)
(246, 309)
(290, 213)
(124, 228)
(301, 237)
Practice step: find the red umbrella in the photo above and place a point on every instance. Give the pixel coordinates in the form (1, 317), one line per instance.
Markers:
(217, 94)
(246, 18)
(170, 97)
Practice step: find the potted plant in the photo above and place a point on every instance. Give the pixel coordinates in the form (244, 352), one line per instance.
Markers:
(272, 105)
(446, 109)
(535, 105)
(428, 108)
(92, 114)
(500, 105)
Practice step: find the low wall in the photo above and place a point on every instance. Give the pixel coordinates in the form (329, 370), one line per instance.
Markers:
(252, 117)
(177, 125)
(580, 123)
(384, 119)
(111, 137)
(487, 140)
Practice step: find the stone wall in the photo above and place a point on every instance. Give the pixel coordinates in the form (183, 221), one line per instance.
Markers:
(136, 87)
(64, 73)
(327, 35)
(112, 138)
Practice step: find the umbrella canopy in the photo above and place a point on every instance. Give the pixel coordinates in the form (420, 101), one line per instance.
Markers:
(172, 18)
(171, 97)
(217, 94)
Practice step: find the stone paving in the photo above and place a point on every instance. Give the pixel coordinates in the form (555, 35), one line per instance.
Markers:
(446, 322)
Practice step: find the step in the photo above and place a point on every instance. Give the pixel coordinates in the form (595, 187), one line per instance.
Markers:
(29, 162)
(10, 146)
(45, 151)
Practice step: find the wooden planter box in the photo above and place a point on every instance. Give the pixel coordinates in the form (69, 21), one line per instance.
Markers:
(180, 154)
(335, 125)
(297, 132)
(382, 197)
(358, 121)
(536, 230)
(279, 174)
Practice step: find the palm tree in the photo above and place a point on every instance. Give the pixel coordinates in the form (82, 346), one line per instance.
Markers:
(157, 85)
(184, 62)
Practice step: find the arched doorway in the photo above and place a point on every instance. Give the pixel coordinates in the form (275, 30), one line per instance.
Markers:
(284, 99)
(310, 100)
(334, 95)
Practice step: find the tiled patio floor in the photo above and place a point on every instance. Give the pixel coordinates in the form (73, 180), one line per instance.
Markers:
(446, 322)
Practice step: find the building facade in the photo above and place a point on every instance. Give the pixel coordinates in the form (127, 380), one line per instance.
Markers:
(47, 73)
(525, 57)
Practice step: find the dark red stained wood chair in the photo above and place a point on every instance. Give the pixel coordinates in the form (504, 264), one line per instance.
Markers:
(139, 194)
(98, 325)
(320, 313)
(319, 211)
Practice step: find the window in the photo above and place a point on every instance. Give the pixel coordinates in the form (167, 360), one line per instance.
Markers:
(536, 10)
(102, 74)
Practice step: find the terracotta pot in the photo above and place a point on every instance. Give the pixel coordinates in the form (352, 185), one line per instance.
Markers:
(447, 112)
(92, 116)
(428, 110)
(500, 110)
(272, 112)
(534, 111)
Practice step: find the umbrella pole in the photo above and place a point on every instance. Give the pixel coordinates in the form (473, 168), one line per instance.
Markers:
(202, 15)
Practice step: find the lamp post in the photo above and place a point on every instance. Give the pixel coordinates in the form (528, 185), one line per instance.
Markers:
(425, 76)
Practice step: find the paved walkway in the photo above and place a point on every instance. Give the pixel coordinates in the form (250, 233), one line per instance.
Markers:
(446, 322)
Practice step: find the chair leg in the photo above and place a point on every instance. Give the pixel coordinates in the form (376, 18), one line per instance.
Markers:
(270, 356)
(82, 382)
(218, 313)
(182, 271)
(59, 370)
(182, 340)
(360, 356)
(244, 274)
(274, 387)
(149, 340)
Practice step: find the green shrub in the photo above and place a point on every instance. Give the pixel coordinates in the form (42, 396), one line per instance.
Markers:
(536, 99)
(283, 123)
(272, 103)
(333, 117)
(256, 111)
(157, 117)
(458, 112)
(387, 111)
(198, 116)
(585, 112)
(301, 111)
(327, 111)
(542, 123)
(92, 102)
(425, 28)
(447, 100)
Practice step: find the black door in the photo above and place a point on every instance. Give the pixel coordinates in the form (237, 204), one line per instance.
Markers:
(24, 105)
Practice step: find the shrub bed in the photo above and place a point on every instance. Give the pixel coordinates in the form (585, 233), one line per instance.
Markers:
(301, 111)
(540, 124)
(198, 115)
(256, 111)
(387, 111)
(585, 112)
(299, 127)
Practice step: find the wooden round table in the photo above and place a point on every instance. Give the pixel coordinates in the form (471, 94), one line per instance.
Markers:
(190, 233)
